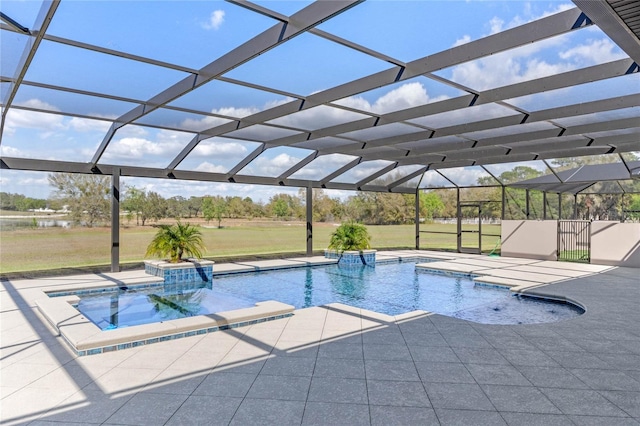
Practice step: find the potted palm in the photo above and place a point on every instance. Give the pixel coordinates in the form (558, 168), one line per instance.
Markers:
(175, 241)
(350, 243)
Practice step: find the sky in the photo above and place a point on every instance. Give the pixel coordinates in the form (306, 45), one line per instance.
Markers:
(195, 33)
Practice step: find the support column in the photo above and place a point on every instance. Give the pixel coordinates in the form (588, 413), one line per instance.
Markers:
(115, 220)
(417, 219)
(459, 214)
(544, 205)
(559, 206)
(504, 203)
(527, 209)
(575, 206)
(309, 220)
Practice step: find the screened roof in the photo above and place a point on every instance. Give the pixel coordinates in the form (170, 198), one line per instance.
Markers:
(382, 96)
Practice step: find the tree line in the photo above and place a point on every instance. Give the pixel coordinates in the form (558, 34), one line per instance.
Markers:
(88, 200)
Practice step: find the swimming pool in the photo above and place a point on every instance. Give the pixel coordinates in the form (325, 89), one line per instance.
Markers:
(391, 289)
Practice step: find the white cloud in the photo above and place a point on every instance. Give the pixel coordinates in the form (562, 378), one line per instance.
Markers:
(9, 151)
(210, 168)
(31, 184)
(219, 148)
(199, 125)
(520, 64)
(136, 148)
(405, 96)
(322, 166)
(264, 166)
(595, 51)
(317, 118)
(23, 119)
(215, 20)
(86, 125)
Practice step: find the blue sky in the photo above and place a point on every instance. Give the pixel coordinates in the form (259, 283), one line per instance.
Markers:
(195, 33)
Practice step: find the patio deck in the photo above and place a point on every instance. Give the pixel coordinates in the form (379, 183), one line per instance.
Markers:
(342, 365)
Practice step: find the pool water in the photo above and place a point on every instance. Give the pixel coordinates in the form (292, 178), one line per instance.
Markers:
(391, 289)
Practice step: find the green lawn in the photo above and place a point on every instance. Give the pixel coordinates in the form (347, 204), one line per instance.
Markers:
(53, 248)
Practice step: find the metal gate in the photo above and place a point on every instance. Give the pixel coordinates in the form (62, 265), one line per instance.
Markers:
(574, 240)
(470, 229)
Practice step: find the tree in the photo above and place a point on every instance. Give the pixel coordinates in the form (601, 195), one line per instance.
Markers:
(213, 207)
(431, 205)
(88, 196)
(134, 201)
(350, 236)
(177, 207)
(286, 206)
(154, 207)
(194, 204)
(176, 240)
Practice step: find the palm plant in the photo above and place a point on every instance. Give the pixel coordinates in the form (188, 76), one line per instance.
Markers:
(176, 240)
(350, 236)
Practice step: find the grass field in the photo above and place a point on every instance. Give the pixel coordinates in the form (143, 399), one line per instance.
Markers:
(53, 248)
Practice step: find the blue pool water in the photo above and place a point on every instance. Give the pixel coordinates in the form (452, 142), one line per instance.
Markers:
(388, 288)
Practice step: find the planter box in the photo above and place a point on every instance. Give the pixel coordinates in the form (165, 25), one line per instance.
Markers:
(192, 270)
(353, 257)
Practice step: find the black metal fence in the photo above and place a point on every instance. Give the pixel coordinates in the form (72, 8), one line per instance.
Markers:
(574, 240)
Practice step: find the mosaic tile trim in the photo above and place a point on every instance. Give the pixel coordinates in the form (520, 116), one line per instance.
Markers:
(101, 290)
(352, 258)
(175, 275)
(496, 286)
(447, 273)
(189, 333)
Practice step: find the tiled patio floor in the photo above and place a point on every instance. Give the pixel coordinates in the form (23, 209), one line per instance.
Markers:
(338, 365)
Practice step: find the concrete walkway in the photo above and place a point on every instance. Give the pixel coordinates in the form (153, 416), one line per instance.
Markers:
(339, 365)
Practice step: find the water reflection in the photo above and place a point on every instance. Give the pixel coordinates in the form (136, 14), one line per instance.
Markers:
(308, 289)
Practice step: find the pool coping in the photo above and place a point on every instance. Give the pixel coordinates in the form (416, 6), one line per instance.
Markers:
(86, 338)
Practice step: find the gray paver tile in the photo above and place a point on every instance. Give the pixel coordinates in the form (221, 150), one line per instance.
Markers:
(555, 344)
(225, 384)
(621, 361)
(386, 352)
(290, 388)
(391, 370)
(497, 375)
(607, 379)
(87, 404)
(401, 416)
(175, 382)
(552, 377)
(628, 401)
(289, 366)
(340, 350)
(609, 421)
(480, 356)
(461, 396)
(339, 367)
(383, 337)
(443, 372)
(578, 360)
(522, 399)
(198, 409)
(513, 342)
(469, 417)
(536, 419)
(325, 413)
(333, 389)
(530, 357)
(582, 402)
(406, 394)
(268, 412)
(466, 341)
(433, 354)
(147, 409)
(428, 339)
